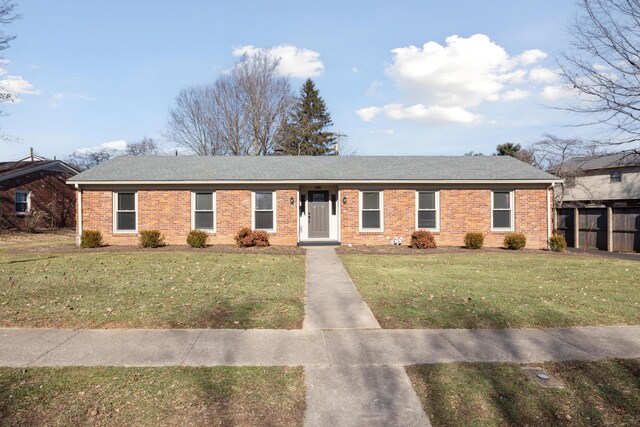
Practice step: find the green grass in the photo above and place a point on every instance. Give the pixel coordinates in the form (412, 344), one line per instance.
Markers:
(151, 290)
(497, 290)
(495, 394)
(152, 396)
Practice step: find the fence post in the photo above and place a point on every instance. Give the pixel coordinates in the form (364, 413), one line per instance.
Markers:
(609, 229)
(576, 228)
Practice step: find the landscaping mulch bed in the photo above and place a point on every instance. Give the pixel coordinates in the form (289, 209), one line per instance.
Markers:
(407, 250)
(219, 249)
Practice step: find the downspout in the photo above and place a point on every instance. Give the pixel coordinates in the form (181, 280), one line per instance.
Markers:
(549, 231)
(79, 231)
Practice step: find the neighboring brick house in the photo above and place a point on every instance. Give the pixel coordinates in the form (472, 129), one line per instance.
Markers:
(298, 200)
(35, 184)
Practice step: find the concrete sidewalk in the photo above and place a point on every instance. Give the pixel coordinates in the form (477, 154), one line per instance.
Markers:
(331, 299)
(312, 348)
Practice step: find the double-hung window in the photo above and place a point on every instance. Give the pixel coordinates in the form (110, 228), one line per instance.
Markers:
(203, 212)
(264, 210)
(126, 212)
(615, 176)
(21, 202)
(502, 210)
(371, 208)
(427, 210)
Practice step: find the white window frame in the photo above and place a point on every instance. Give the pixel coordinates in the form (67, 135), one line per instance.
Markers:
(512, 208)
(193, 211)
(15, 202)
(115, 212)
(274, 206)
(380, 208)
(437, 209)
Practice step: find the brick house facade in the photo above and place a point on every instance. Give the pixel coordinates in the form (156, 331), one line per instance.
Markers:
(120, 199)
(36, 186)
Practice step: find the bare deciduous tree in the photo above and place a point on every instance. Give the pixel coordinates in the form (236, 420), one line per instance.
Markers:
(561, 157)
(83, 160)
(145, 147)
(603, 65)
(242, 113)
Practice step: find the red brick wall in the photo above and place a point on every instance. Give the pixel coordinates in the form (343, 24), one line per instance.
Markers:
(170, 212)
(461, 211)
(49, 194)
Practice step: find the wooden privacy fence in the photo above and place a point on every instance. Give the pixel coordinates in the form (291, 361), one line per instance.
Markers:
(607, 229)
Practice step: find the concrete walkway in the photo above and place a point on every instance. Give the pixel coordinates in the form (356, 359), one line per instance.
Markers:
(315, 349)
(331, 299)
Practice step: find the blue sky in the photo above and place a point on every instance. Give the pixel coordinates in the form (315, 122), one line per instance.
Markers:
(92, 72)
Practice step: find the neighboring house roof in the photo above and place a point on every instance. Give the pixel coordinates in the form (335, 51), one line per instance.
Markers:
(10, 170)
(604, 161)
(185, 169)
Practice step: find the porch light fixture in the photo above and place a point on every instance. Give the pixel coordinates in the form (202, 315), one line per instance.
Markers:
(344, 200)
(292, 201)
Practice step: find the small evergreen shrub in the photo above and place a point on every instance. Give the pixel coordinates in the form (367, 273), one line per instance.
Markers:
(422, 239)
(90, 239)
(473, 240)
(260, 238)
(151, 239)
(515, 241)
(244, 238)
(557, 243)
(197, 239)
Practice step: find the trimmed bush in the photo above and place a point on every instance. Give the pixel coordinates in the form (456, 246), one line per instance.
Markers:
(557, 243)
(260, 238)
(151, 239)
(422, 239)
(515, 241)
(244, 238)
(197, 239)
(90, 239)
(473, 240)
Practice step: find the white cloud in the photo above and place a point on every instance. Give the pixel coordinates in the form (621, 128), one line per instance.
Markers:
(543, 75)
(384, 131)
(294, 61)
(118, 145)
(58, 98)
(369, 113)
(445, 83)
(553, 93)
(355, 70)
(16, 86)
(515, 94)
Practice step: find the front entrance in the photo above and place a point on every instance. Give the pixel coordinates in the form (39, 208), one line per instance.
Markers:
(318, 216)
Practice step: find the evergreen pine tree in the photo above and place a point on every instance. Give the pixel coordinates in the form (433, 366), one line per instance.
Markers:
(306, 131)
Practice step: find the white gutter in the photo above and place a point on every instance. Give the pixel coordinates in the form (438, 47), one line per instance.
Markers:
(79, 231)
(549, 230)
(322, 181)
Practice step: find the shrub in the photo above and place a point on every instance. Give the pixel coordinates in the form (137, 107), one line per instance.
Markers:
(260, 238)
(473, 240)
(244, 238)
(422, 239)
(151, 239)
(90, 239)
(197, 239)
(557, 243)
(515, 241)
(35, 220)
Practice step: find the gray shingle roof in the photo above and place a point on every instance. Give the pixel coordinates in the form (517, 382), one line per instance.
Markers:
(605, 161)
(295, 169)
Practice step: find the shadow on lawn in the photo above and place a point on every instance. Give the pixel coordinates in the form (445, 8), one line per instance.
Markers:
(597, 393)
(15, 261)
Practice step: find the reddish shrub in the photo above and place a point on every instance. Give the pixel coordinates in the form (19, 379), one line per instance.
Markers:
(261, 238)
(422, 239)
(244, 237)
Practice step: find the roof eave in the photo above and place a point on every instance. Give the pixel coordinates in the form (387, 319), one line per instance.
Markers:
(316, 181)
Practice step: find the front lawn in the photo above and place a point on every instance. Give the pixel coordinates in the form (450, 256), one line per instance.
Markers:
(498, 394)
(151, 290)
(152, 396)
(497, 290)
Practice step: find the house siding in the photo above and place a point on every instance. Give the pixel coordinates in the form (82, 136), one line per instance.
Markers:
(462, 210)
(49, 193)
